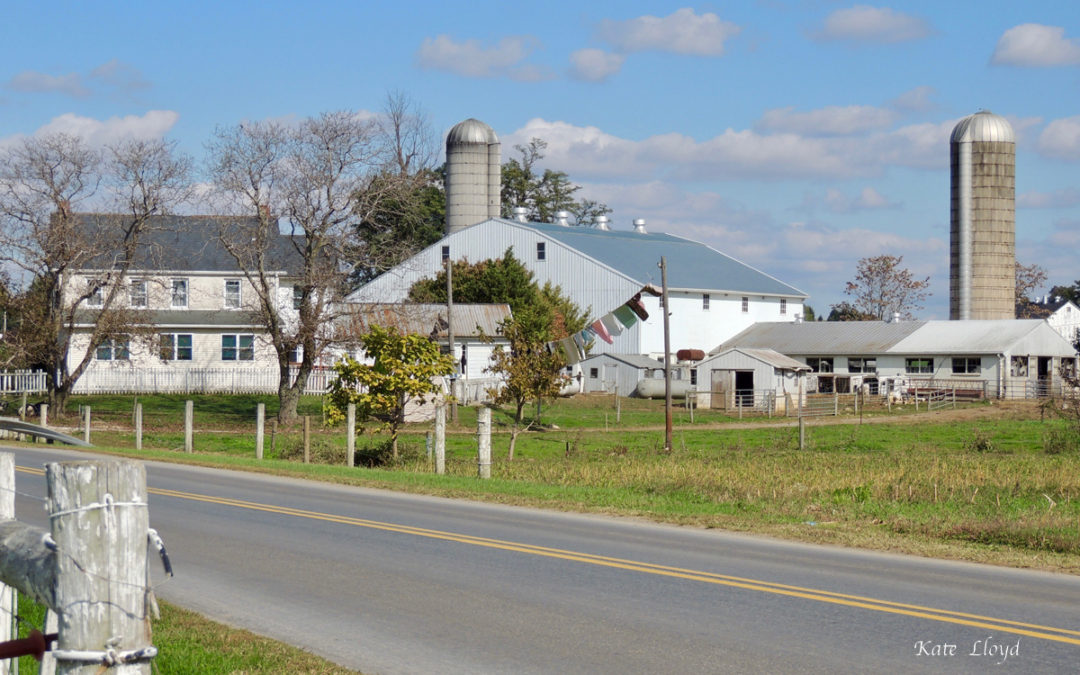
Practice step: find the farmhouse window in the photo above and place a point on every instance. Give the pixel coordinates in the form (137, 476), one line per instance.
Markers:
(237, 347)
(966, 365)
(594, 373)
(113, 349)
(137, 293)
(96, 298)
(861, 365)
(820, 365)
(179, 293)
(175, 347)
(445, 253)
(232, 294)
(918, 366)
(705, 301)
(783, 305)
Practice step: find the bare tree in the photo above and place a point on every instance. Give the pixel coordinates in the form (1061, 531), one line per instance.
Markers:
(305, 189)
(44, 181)
(882, 287)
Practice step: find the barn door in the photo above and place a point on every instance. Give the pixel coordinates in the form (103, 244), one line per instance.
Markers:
(720, 388)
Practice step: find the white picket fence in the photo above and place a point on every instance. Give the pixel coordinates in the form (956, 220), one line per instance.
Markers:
(20, 381)
(194, 381)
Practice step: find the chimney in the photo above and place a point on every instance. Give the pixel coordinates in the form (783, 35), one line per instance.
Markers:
(602, 223)
(521, 214)
(639, 226)
(562, 218)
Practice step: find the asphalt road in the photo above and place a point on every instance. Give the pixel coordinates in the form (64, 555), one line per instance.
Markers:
(391, 583)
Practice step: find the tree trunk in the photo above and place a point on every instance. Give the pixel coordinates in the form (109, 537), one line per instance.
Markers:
(513, 442)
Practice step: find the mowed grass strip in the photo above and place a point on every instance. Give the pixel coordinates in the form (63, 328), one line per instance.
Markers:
(984, 488)
(188, 643)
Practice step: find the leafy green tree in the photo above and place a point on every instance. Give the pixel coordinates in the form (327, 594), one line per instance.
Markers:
(845, 311)
(529, 372)
(808, 313)
(543, 194)
(403, 369)
(544, 312)
(1070, 293)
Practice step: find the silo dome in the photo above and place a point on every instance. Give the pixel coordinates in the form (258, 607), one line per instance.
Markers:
(471, 131)
(473, 175)
(983, 126)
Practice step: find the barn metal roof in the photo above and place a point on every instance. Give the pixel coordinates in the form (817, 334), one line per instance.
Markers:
(429, 319)
(877, 337)
(771, 357)
(690, 264)
(823, 337)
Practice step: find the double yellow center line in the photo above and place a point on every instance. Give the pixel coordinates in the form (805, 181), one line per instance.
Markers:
(857, 601)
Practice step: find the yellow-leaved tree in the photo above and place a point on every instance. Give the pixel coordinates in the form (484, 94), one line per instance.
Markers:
(403, 369)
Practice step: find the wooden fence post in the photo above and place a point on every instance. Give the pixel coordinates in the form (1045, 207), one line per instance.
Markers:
(8, 594)
(101, 579)
(483, 441)
(260, 423)
(440, 438)
(307, 439)
(350, 434)
(138, 426)
(86, 423)
(189, 423)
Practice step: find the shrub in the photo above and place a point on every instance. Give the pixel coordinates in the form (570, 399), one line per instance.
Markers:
(1060, 441)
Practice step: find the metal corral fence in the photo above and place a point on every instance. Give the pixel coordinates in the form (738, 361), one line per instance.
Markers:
(822, 405)
(23, 381)
(937, 399)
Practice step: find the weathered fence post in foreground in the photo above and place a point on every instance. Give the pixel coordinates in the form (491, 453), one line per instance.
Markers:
(260, 425)
(43, 417)
(90, 568)
(350, 434)
(101, 592)
(307, 439)
(440, 438)
(189, 423)
(483, 441)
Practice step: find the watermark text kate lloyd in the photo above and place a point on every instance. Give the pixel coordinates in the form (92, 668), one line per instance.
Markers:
(985, 648)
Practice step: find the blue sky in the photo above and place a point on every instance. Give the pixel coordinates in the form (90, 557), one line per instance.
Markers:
(797, 136)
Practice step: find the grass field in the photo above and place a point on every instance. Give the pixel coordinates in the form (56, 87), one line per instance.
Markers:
(976, 483)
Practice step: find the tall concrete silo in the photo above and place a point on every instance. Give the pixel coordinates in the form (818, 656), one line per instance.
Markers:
(473, 174)
(982, 251)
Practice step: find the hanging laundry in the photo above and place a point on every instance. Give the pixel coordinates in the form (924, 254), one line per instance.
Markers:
(570, 351)
(601, 331)
(625, 316)
(614, 328)
(638, 307)
(580, 339)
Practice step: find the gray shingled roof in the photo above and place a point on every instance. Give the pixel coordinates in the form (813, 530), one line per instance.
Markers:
(691, 265)
(181, 318)
(191, 243)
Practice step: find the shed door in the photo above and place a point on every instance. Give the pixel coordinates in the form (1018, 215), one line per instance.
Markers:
(722, 383)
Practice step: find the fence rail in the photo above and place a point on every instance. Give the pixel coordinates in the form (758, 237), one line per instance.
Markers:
(20, 381)
(195, 381)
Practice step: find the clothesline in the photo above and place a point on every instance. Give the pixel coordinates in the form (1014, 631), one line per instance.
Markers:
(606, 328)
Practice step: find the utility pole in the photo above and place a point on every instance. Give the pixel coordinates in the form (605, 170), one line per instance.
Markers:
(450, 337)
(667, 355)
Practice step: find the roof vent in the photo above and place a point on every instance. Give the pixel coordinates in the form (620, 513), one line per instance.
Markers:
(562, 218)
(521, 214)
(602, 223)
(639, 226)
(896, 317)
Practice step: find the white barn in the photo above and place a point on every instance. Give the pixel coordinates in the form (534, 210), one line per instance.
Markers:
(712, 295)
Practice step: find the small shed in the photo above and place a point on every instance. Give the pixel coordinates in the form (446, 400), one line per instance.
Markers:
(617, 373)
(748, 378)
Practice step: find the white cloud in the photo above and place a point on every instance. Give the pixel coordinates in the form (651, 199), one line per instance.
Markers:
(119, 75)
(682, 32)
(154, 124)
(915, 100)
(736, 154)
(595, 65)
(1061, 139)
(863, 23)
(868, 199)
(1033, 44)
(829, 121)
(472, 59)
(1058, 199)
(33, 82)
